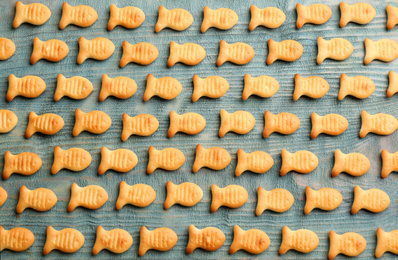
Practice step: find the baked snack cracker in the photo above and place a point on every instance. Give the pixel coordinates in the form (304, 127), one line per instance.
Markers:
(221, 18)
(313, 87)
(209, 239)
(187, 53)
(165, 87)
(188, 123)
(24, 163)
(240, 122)
(336, 49)
(51, 50)
(96, 122)
(67, 240)
(28, 86)
(258, 162)
(283, 123)
(254, 241)
(350, 244)
(385, 50)
(215, 158)
(301, 162)
(392, 14)
(359, 86)
(361, 13)
(98, 49)
(74, 159)
(373, 200)
(8, 120)
(116, 240)
(129, 17)
(302, 240)
(169, 159)
(270, 17)
(232, 196)
(3, 196)
(139, 195)
(7, 48)
(80, 15)
(143, 53)
(90, 197)
(277, 200)
(330, 124)
(75, 87)
(40, 199)
(120, 160)
(381, 124)
(16, 239)
(386, 242)
(390, 163)
(48, 124)
(315, 14)
(35, 13)
(287, 50)
(393, 83)
(119, 87)
(239, 53)
(262, 86)
(355, 164)
(160, 239)
(142, 125)
(187, 194)
(177, 19)
(212, 87)
(324, 199)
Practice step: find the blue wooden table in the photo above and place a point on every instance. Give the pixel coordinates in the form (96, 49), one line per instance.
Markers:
(179, 218)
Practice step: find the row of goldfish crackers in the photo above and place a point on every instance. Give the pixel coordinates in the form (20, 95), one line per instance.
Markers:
(240, 122)
(180, 19)
(189, 194)
(216, 158)
(191, 54)
(254, 241)
(168, 88)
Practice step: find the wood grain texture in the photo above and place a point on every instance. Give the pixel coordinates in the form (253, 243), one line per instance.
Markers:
(178, 218)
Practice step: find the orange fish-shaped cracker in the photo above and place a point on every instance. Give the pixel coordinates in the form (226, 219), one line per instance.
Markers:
(28, 86)
(209, 239)
(143, 125)
(90, 197)
(277, 200)
(258, 162)
(81, 15)
(142, 53)
(240, 122)
(177, 19)
(74, 159)
(301, 162)
(355, 164)
(262, 86)
(239, 53)
(392, 14)
(212, 87)
(287, 50)
(24, 163)
(188, 123)
(67, 240)
(302, 240)
(215, 158)
(116, 240)
(324, 199)
(270, 17)
(336, 49)
(98, 49)
(381, 124)
(16, 239)
(129, 17)
(386, 242)
(139, 195)
(221, 18)
(120, 160)
(187, 53)
(120, 87)
(48, 124)
(165, 87)
(390, 163)
(361, 13)
(8, 120)
(187, 194)
(283, 123)
(160, 239)
(393, 83)
(254, 241)
(374, 200)
(3, 196)
(36, 14)
(385, 50)
(40, 199)
(169, 159)
(315, 14)
(313, 87)
(7, 48)
(349, 244)
(75, 87)
(96, 122)
(330, 124)
(51, 50)
(359, 86)
(232, 196)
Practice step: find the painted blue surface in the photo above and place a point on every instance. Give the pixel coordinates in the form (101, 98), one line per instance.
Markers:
(178, 218)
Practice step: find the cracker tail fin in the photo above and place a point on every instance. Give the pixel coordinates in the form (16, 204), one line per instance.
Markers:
(309, 204)
(57, 164)
(285, 240)
(388, 166)
(173, 58)
(298, 91)
(104, 166)
(18, 14)
(12, 87)
(358, 198)
(161, 23)
(301, 17)
(126, 57)
(65, 20)
(72, 202)
(170, 195)
(272, 51)
(197, 165)
(22, 205)
(83, 53)
(261, 193)
(207, 12)
(215, 202)
(152, 165)
(393, 83)
(197, 88)
(268, 124)
(365, 128)
(36, 53)
(123, 189)
(345, 14)
(113, 20)
(338, 163)
(8, 169)
(286, 166)
(247, 90)
(192, 230)
(49, 245)
(236, 243)
(223, 53)
(322, 53)
(344, 90)
(334, 242)
(255, 17)
(150, 84)
(127, 120)
(241, 165)
(98, 246)
(173, 129)
(224, 126)
(31, 129)
(316, 125)
(104, 93)
(144, 232)
(370, 49)
(78, 128)
(382, 240)
(59, 92)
